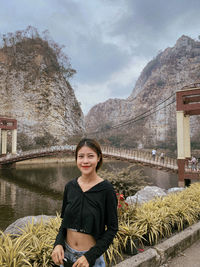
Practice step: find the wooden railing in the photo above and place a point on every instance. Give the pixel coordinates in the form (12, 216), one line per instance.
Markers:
(190, 167)
(111, 152)
(36, 153)
(140, 156)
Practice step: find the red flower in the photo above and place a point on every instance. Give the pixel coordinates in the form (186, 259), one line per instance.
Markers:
(121, 197)
(119, 205)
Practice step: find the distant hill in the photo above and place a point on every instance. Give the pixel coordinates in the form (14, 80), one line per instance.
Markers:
(168, 72)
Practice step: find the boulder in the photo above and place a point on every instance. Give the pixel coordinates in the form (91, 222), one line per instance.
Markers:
(175, 189)
(146, 194)
(16, 227)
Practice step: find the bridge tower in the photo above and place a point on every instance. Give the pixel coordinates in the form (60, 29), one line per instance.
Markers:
(187, 104)
(8, 124)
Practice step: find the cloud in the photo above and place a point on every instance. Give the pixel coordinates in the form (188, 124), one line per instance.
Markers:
(88, 94)
(119, 85)
(151, 25)
(99, 60)
(109, 42)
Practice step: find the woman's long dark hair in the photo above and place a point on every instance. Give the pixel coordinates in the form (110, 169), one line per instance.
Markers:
(94, 145)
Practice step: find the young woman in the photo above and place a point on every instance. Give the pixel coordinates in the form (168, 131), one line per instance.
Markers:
(89, 212)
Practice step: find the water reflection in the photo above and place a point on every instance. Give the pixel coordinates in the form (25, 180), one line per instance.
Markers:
(38, 189)
(17, 201)
(44, 179)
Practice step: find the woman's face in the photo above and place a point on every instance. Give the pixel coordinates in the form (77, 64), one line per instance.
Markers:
(87, 160)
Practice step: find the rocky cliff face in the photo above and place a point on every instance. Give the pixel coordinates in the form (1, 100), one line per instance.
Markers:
(171, 70)
(35, 92)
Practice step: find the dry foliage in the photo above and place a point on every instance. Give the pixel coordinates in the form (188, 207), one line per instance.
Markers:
(126, 181)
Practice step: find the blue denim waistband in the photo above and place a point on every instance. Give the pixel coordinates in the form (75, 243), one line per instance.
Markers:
(73, 254)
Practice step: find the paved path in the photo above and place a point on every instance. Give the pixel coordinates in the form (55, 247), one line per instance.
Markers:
(187, 258)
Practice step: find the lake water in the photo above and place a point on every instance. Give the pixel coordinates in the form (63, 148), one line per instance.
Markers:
(38, 188)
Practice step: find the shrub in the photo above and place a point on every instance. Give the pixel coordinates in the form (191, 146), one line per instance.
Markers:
(148, 223)
(127, 181)
(32, 248)
(45, 140)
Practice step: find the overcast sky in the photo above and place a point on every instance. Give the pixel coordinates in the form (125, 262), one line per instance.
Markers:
(108, 42)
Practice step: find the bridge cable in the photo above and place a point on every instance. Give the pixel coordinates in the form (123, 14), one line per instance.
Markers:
(116, 126)
(137, 118)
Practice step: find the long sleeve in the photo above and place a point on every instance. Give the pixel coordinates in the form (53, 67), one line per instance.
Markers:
(61, 236)
(104, 241)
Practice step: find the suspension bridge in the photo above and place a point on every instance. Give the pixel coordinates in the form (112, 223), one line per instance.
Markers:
(130, 155)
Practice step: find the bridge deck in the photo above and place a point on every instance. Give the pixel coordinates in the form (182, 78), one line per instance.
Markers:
(144, 158)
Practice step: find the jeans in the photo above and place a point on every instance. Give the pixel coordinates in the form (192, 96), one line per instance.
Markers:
(73, 255)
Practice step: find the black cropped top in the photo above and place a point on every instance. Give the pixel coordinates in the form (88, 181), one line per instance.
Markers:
(92, 212)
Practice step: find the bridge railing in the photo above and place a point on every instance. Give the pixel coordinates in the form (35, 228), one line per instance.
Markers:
(38, 151)
(190, 167)
(121, 153)
(141, 156)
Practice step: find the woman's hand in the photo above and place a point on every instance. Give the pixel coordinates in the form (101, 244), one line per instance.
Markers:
(58, 255)
(81, 262)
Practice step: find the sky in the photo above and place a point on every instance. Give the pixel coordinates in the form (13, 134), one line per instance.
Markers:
(109, 42)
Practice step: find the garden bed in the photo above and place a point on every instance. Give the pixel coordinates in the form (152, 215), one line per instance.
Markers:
(140, 227)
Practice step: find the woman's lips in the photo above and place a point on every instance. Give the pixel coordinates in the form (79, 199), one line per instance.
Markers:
(85, 167)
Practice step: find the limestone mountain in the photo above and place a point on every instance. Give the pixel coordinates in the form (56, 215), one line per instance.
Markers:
(35, 90)
(147, 117)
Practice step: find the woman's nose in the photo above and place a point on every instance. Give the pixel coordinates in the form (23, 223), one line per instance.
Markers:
(85, 159)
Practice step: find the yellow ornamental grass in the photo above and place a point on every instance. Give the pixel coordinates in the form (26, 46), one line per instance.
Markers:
(161, 216)
(183, 208)
(41, 241)
(32, 248)
(128, 234)
(149, 222)
(113, 254)
(13, 251)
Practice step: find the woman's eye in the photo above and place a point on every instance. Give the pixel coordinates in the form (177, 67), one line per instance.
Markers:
(80, 156)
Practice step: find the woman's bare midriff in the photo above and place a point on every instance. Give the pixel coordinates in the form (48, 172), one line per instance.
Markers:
(79, 241)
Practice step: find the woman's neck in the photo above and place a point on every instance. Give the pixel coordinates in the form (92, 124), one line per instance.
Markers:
(89, 178)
